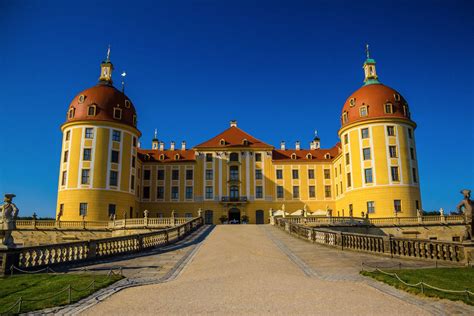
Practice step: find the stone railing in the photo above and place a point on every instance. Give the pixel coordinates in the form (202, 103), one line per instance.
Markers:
(446, 251)
(75, 252)
(388, 221)
(115, 224)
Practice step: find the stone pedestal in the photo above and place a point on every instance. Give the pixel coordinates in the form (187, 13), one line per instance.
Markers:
(469, 252)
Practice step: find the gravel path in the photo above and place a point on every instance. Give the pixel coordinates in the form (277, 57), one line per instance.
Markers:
(240, 270)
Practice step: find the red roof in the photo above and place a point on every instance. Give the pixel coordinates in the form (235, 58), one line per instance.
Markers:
(233, 137)
(306, 154)
(166, 156)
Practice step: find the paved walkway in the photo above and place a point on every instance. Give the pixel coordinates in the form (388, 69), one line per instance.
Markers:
(249, 269)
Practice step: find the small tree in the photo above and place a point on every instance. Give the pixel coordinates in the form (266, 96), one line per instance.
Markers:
(223, 219)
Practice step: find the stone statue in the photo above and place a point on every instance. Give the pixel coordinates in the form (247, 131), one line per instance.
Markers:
(172, 213)
(34, 216)
(199, 212)
(419, 213)
(8, 215)
(441, 212)
(305, 210)
(145, 213)
(270, 211)
(465, 206)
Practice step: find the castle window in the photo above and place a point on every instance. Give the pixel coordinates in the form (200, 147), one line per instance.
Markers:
(258, 174)
(414, 175)
(146, 192)
(234, 157)
(162, 157)
(245, 142)
(352, 102)
(134, 141)
(64, 178)
(209, 157)
(222, 142)
(91, 110)
(132, 183)
(117, 113)
(189, 174)
(346, 138)
(146, 174)
(410, 133)
(258, 157)
(366, 153)
(209, 174)
(160, 193)
(390, 130)
(82, 209)
(310, 173)
(87, 154)
(296, 192)
(368, 175)
(293, 156)
(259, 192)
(370, 207)
(161, 174)
(176, 157)
(344, 117)
(405, 111)
(189, 193)
(71, 113)
(363, 111)
(175, 174)
(388, 108)
(295, 174)
(127, 104)
(112, 208)
(327, 156)
(209, 193)
(279, 192)
(174, 193)
(85, 176)
(279, 174)
(349, 180)
(116, 135)
(113, 180)
(327, 191)
(396, 96)
(311, 191)
(364, 133)
(327, 174)
(66, 155)
(412, 153)
(81, 98)
(393, 151)
(309, 156)
(395, 175)
(134, 120)
(348, 159)
(89, 133)
(68, 135)
(234, 173)
(114, 157)
(397, 206)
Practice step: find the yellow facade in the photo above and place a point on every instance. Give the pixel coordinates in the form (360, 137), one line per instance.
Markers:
(237, 178)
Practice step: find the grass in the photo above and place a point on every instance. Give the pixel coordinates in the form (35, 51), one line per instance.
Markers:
(43, 286)
(445, 278)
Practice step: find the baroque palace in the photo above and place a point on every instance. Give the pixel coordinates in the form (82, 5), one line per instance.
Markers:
(105, 173)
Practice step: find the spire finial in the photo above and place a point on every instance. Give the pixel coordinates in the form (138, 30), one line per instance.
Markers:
(108, 54)
(123, 81)
(367, 51)
(316, 133)
(156, 134)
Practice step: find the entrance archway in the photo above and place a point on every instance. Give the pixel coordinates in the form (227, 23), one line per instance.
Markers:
(209, 217)
(259, 218)
(234, 216)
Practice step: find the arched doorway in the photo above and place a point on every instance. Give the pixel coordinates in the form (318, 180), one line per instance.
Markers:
(209, 217)
(234, 216)
(259, 218)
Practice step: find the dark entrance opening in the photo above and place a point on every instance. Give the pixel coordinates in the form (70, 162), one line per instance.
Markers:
(234, 216)
(208, 217)
(259, 219)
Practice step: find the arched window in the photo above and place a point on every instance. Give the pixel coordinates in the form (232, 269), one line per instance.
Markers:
(91, 110)
(117, 113)
(388, 108)
(234, 157)
(327, 156)
(222, 142)
(127, 104)
(81, 98)
(396, 96)
(293, 156)
(245, 142)
(309, 156)
(352, 102)
(176, 157)
(162, 157)
(344, 117)
(71, 113)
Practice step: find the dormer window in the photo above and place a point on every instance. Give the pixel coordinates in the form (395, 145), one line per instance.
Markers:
(327, 156)
(344, 117)
(127, 104)
(222, 142)
(91, 110)
(352, 102)
(117, 113)
(363, 111)
(396, 96)
(245, 142)
(293, 156)
(71, 113)
(176, 157)
(309, 156)
(388, 108)
(162, 157)
(406, 112)
(81, 98)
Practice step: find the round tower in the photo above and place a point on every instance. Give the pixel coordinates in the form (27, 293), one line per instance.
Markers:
(378, 144)
(97, 176)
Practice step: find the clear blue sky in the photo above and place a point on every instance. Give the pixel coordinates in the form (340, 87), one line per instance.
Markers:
(281, 68)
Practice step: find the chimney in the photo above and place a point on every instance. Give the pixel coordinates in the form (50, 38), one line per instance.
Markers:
(172, 145)
(233, 123)
(183, 145)
(297, 145)
(162, 146)
(282, 145)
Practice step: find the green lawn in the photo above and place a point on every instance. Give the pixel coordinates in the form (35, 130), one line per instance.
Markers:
(445, 278)
(43, 286)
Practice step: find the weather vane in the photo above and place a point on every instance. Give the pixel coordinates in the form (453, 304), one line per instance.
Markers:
(108, 53)
(123, 80)
(156, 134)
(367, 50)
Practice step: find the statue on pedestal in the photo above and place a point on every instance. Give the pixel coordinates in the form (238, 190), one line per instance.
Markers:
(145, 213)
(199, 212)
(465, 206)
(8, 215)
